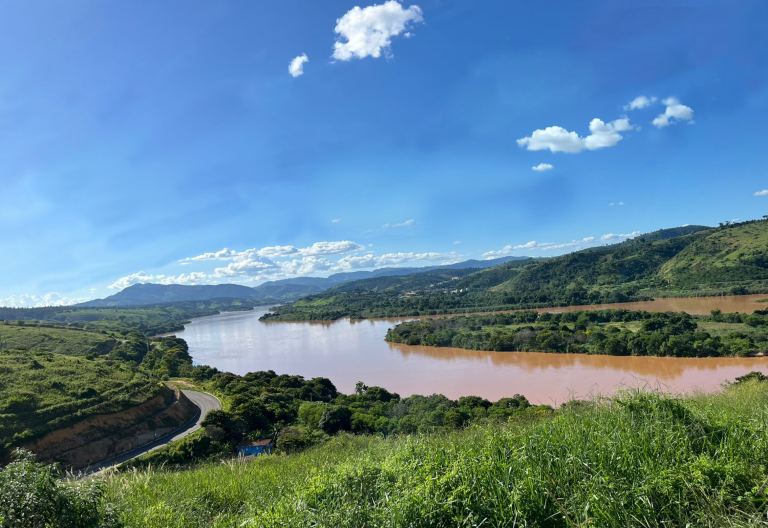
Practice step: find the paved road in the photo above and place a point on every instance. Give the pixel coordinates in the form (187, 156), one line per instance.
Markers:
(204, 401)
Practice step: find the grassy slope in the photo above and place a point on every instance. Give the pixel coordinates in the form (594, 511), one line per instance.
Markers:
(734, 255)
(42, 391)
(54, 340)
(641, 460)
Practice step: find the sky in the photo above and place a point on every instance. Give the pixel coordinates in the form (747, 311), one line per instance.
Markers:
(199, 142)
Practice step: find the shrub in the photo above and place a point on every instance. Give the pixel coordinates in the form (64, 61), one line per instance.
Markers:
(32, 497)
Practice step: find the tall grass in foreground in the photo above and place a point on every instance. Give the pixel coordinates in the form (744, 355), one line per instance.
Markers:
(638, 460)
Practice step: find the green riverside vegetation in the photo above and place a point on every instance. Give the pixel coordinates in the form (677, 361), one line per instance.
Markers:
(610, 332)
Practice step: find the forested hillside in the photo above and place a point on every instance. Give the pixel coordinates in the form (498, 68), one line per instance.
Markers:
(684, 261)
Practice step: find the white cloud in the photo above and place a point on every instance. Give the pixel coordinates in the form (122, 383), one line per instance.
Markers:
(612, 237)
(675, 112)
(614, 204)
(251, 265)
(35, 301)
(296, 67)
(331, 248)
(542, 167)
(130, 280)
(368, 32)
(318, 248)
(640, 102)
(764, 192)
(407, 223)
(305, 266)
(224, 254)
(389, 259)
(456, 242)
(335, 221)
(558, 139)
(534, 246)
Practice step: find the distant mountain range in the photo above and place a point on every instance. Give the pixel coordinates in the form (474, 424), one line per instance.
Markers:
(284, 290)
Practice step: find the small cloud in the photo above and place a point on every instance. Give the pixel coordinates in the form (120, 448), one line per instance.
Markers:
(615, 204)
(542, 167)
(456, 242)
(296, 67)
(369, 31)
(675, 112)
(335, 221)
(639, 102)
(764, 192)
(407, 223)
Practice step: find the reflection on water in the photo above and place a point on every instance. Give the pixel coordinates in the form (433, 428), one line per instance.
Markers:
(347, 352)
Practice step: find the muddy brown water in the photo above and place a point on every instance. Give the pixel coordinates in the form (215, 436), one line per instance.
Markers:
(350, 351)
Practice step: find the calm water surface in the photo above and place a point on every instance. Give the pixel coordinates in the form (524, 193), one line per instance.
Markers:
(347, 352)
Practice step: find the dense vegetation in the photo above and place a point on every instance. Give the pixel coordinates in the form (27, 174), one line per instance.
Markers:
(691, 261)
(611, 332)
(636, 460)
(301, 413)
(33, 495)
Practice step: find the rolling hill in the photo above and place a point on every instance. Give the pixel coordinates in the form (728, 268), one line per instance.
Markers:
(681, 261)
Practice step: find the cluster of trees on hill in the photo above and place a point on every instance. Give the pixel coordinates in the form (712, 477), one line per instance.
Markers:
(591, 332)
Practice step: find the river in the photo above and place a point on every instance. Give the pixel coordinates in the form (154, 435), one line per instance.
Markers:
(349, 351)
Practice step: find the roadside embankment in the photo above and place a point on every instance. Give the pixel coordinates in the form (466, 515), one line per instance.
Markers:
(108, 435)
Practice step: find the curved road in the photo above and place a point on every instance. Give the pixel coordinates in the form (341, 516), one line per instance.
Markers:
(205, 403)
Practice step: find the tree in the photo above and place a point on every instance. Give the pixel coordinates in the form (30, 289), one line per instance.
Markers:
(335, 418)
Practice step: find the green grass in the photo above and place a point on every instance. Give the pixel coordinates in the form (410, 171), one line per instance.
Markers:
(639, 460)
(71, 342)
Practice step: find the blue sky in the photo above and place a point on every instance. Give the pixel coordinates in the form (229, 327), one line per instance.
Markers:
(140, 139)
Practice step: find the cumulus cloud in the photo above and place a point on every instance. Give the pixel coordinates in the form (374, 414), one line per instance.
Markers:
(674, 112)
(318, 248)
(534, 246)
(367, 32)
(130, 280)
(764, 192)
(542, 167)
(352, 262)
(296, 67)
(195, 277)
(558, 139)
(35, 301)
(640, 102)
(305, 266)
(331, 248)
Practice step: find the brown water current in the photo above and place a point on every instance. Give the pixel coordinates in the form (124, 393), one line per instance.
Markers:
(350, 351)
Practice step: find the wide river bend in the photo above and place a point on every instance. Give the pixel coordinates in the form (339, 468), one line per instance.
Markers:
(350, 351)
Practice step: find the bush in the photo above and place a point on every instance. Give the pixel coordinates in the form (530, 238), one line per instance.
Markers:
(32, 497)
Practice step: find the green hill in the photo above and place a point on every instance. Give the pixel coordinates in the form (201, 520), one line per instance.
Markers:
(732, 256)
(681, 261)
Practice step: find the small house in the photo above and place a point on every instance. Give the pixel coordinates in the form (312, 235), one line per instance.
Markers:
(254, 447)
